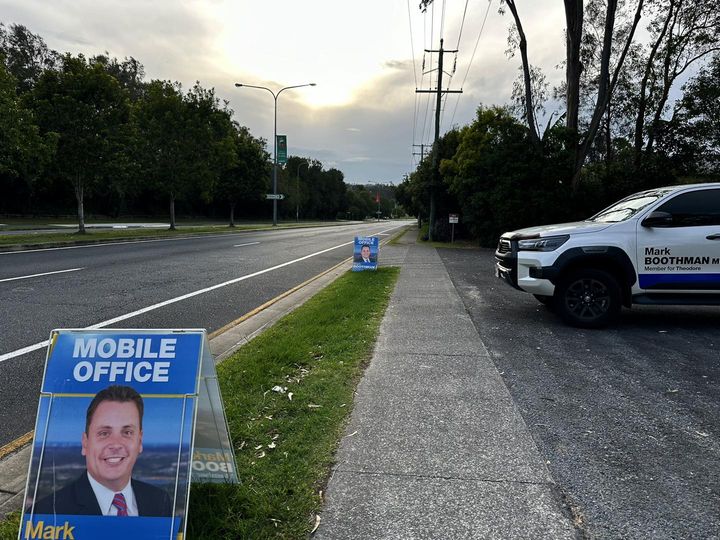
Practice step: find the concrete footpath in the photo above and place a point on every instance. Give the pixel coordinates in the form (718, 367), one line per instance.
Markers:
(435, 447)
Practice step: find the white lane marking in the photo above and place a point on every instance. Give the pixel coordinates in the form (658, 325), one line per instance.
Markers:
(248, 244)
(36, 346)
(43, 274)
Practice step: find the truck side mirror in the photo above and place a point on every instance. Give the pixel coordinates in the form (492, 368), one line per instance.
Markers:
(658, 219)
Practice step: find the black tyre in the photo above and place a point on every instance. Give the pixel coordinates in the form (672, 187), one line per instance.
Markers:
(588, 298)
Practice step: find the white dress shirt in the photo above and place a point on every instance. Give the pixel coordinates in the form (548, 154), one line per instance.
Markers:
(105, 498)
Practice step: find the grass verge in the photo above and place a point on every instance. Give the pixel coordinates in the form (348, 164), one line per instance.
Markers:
(94, 236)
(10, 526)
(284, 447)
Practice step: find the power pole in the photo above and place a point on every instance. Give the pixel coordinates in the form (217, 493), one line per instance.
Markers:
(436, 161)
(422, 151)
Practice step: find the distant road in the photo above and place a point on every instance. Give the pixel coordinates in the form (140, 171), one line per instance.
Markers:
(200, 282)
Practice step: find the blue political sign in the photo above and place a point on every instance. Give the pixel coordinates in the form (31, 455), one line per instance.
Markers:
(365, 254)
(153, 363)
(113, 435)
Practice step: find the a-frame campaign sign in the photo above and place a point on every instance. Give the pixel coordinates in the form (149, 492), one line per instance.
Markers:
(120, 415)
(213, 453)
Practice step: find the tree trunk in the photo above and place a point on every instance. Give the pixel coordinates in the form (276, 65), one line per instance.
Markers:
(603, 93)
(172, 212)
(608, 135)
(529, 111)
(80, 196)
(573, 41)
(232, 214)
(642, 104)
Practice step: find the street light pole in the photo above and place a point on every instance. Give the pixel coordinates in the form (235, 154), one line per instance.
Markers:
(275, 96)
(297, 191)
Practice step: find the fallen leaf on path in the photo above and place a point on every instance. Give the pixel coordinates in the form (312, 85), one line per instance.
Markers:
(317, 524)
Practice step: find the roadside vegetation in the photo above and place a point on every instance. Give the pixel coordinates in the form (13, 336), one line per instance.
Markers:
(92, 135)
(638, 108)
(287, 396)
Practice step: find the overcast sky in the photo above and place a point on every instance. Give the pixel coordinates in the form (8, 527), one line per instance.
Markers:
(364, 115)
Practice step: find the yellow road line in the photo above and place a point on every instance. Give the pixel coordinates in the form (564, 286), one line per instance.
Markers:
(18, 443)
(275, 300)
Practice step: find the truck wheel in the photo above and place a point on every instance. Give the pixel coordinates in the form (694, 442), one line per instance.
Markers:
(588, 298)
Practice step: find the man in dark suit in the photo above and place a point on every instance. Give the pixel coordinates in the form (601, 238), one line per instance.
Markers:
(111, 443)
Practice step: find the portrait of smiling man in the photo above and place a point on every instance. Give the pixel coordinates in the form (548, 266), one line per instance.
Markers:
(111, 444)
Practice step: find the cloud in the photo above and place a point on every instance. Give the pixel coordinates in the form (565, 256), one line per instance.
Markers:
(369, 81)
(398, 64)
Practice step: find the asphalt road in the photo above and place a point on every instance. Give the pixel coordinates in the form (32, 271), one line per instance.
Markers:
(146, 284)
(627, 418)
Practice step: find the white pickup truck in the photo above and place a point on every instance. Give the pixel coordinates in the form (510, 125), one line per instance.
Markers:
(660, 246)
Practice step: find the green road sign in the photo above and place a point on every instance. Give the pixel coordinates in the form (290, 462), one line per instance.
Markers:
(282, 149)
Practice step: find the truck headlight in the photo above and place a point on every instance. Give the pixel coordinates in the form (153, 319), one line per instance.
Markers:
(549, 243)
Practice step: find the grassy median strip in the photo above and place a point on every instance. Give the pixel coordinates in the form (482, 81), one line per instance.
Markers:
(93, 235)
(287, 395)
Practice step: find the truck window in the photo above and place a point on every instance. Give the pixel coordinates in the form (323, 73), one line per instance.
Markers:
(694, 209)
(628, 207)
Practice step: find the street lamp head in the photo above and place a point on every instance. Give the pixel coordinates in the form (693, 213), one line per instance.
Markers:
(238, 85)
(313, 84)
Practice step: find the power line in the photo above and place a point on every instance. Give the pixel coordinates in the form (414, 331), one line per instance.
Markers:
(442, 19)
(412, 44)
(477, 42)
(462, 24)
(412, 50)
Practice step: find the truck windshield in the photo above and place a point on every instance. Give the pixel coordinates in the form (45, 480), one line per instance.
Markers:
(629, 206)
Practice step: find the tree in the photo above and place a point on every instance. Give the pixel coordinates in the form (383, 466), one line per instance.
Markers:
(129, 73)
(416, 188)
(26, 55)
(24, 152)
(89, 112)
(246, 179)
(682, 33)
(607, 77)
(692, 136)
(500, 182)
(360, 202)
(520, 41)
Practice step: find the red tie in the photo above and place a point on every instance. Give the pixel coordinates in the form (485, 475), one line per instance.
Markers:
(120, 504)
